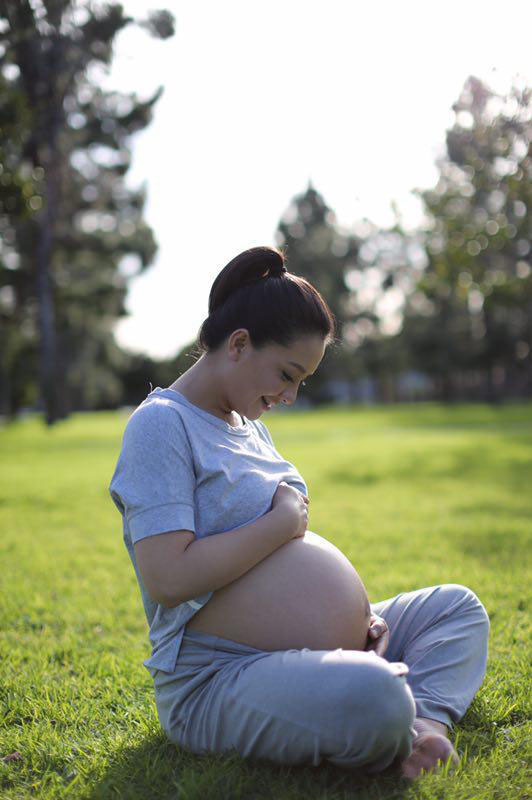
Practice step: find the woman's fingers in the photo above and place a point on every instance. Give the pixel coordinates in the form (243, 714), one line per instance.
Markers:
(380, 648)
(377, 625)
(379, 635)
(381, 643)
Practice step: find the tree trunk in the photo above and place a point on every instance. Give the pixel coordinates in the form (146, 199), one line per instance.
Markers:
(46, 313)
(49, 158)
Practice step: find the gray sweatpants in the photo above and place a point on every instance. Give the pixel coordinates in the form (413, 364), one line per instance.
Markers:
(349, 707)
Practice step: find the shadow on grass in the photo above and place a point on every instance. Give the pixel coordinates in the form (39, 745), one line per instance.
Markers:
(496, 547)
(159, 770)
(472, 462)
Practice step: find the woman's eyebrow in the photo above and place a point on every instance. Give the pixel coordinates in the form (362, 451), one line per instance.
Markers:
(300, 368)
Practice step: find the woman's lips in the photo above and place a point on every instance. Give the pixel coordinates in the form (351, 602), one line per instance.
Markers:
(266, 405)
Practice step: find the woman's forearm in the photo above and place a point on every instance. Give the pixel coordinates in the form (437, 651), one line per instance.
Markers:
(212, 562)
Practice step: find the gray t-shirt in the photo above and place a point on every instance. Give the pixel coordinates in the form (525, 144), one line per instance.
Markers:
(183, 468)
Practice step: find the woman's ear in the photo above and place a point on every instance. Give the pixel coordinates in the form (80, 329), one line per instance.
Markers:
(238, 340)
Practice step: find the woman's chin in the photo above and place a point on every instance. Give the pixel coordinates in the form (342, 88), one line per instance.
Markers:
(257, 411)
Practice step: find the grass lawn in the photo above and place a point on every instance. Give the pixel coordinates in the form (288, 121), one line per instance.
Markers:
(414, 495)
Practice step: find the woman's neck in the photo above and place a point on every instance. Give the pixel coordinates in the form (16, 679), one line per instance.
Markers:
(196, 384)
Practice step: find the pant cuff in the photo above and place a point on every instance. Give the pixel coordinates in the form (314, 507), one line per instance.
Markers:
(424, 708)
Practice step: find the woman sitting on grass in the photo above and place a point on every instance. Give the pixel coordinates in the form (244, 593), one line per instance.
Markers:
(264, 640)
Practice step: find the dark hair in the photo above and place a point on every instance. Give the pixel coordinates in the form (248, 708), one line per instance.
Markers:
(255, 291)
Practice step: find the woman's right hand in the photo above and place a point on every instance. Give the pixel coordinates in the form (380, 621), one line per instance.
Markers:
(292, 503)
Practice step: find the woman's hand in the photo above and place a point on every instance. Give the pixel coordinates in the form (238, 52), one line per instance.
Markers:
(378, 635)
(295, 504)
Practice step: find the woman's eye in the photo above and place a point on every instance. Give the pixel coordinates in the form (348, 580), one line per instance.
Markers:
(288, 378)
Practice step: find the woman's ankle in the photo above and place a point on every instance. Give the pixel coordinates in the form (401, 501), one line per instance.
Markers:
(426, 725)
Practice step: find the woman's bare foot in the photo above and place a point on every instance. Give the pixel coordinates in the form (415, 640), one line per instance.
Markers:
(430, 747)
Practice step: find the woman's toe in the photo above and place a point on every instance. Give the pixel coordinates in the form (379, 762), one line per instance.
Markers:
(430, 750)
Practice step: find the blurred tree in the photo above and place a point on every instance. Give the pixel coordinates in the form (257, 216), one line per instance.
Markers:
(72, 232)
(141, 373)
(319, 251)
(390, 263)
(469, 322)
(18, 188)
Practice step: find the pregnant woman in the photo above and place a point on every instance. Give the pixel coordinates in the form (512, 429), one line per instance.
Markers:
(263, 638)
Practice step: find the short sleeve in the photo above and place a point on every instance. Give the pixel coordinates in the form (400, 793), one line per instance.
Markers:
(154, 482)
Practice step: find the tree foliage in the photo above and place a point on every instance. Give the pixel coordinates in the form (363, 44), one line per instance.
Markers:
(72, 232)
(452, 299)
(318, 250)
(469, 322)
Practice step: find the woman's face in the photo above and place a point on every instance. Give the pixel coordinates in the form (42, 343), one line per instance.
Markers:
(272, 374)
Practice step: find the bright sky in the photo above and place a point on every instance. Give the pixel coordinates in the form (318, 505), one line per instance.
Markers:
(260, 98)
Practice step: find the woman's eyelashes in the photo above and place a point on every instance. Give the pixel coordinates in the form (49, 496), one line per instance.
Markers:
(288, 378)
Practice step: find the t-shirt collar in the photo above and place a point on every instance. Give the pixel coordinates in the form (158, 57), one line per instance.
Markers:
(173, 394)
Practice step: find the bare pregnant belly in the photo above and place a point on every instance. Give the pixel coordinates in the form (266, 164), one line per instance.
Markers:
(305, 594)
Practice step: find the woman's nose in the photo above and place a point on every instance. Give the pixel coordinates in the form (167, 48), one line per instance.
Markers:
(288, 396)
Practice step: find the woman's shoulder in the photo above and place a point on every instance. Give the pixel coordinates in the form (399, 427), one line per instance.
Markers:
(156, 416)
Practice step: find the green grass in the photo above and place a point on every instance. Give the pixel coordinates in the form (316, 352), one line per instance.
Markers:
(414, 495)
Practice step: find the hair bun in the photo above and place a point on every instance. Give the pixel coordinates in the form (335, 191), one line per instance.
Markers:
(270, 262)
(277, 270)
(251, 266)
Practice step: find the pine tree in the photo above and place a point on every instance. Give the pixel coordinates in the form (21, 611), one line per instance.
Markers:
(320, 252)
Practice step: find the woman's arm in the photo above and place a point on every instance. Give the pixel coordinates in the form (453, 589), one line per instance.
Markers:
(175, 572)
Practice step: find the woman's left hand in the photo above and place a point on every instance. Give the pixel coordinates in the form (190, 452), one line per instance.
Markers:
(378, 635)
